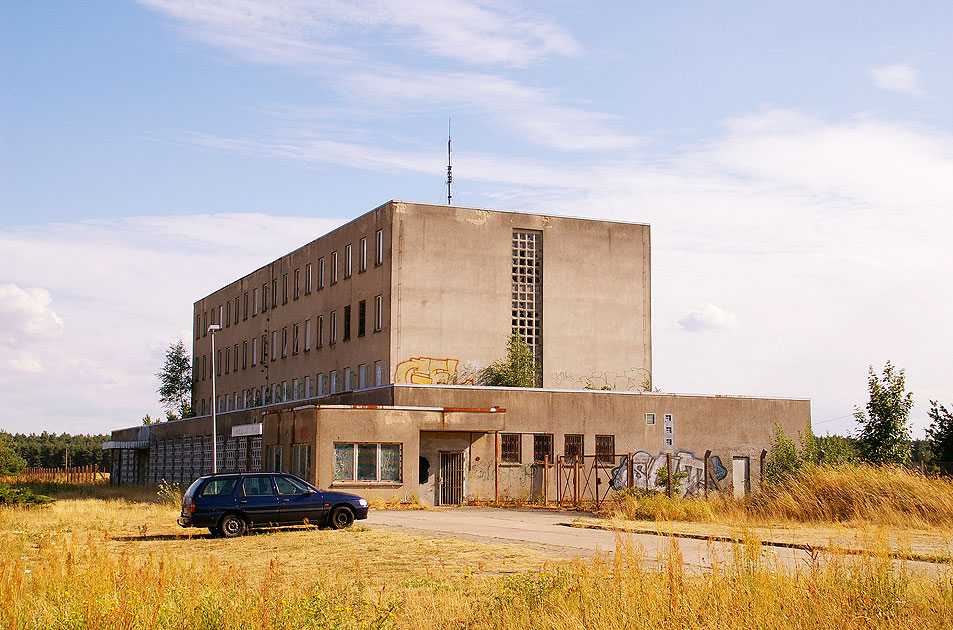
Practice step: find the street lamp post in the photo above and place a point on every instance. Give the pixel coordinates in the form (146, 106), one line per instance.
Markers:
(214, 328)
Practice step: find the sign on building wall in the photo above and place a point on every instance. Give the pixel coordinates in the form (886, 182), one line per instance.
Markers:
(668, 424)
(244, 430)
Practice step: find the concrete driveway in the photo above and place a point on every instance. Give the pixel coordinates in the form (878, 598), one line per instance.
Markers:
(545, 531)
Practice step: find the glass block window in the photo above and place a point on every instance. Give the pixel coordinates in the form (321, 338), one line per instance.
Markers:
(220, 451)
(573, 445)
(187, 460)
(153, 459)
(167, 471)
(542, 448)
(367, 462)
(527, 312)
(510, 448)
(605, 449)
(255, 463)
(230, 447)
(207, 456)
(177, 461)
(241, 454)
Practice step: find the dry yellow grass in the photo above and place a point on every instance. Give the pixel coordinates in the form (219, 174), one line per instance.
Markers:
(107, 562)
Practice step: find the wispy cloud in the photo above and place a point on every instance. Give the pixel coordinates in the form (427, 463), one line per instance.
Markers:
(898, 77)
(708, 317)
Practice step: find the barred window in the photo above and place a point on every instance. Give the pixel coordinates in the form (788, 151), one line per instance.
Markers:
(605, 449)
(542, 447)
(510, 448)
(573, 445)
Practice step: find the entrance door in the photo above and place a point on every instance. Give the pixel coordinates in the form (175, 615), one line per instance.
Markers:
(740, 478)
(451, 478)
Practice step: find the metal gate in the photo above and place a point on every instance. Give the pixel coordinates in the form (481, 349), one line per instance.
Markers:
(451, 478)
(584, 478)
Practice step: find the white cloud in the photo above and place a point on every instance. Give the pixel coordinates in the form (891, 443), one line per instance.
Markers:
(298, 31)
(708, 317)
(898, 77)
(25, 315)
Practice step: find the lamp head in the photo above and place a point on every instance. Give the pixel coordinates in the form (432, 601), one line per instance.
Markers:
(214, 328)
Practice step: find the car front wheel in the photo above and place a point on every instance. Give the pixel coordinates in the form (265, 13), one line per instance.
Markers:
(232, 526)
(341, 518)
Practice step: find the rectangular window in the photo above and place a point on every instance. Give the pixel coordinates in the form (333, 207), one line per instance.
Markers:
(542, 447)
(237, 304)
(347, 323)
(205, 323)
(274, 345)
(605, 449)
(307, 335)
(348, 381)
(284, 343)
(334, 327)
(378, 373)
(334, 267)
(198, 326)
(276, 458)
(274, 293)
(221, 315)
(264, 348)
(379, 255)
(650, 418)
(307, 279)
(301, 461)
(370, 463)
(362, 262)
(254, 352)
(204, 366)
(361, 376)
(295, 390)
(284, 288)
(245, 307)
(294, 340)
(308, 391)
(322, 384)
(264, 298)
(334, 381)
(244, 355)
(378, 313)
(235, 358)
(228, 314)
(573, 445)
(218, 363)
(361, 317)
(510, 448)
(297, 284)
(320, 341)
(320, 273)
(254, 302)
(347, 261)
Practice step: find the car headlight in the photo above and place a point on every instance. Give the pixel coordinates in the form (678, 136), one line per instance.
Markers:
(362, 502)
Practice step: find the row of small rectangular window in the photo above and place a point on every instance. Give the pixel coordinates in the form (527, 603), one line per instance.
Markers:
(227, 315)
(511, 445)
(227, 358)
(299, 389)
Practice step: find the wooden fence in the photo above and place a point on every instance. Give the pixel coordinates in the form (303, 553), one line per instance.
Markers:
(78, 474)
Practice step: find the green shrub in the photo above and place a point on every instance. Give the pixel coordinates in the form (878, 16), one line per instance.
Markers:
(22, 497)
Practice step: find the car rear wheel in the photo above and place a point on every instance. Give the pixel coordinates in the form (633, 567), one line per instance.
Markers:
(232, 526)
(341, 518)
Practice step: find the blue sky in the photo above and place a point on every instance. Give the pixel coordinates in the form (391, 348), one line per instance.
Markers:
(795, 161)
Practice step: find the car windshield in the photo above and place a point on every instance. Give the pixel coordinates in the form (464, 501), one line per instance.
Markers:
(290, 485)
(220, 487)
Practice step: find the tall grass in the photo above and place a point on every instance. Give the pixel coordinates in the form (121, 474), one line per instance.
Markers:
(75, 582)
(863, 495)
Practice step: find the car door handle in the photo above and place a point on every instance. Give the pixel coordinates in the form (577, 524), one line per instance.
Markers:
(285, 500)
(243, 501)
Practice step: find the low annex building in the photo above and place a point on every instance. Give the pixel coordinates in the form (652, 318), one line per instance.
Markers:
(352, 360)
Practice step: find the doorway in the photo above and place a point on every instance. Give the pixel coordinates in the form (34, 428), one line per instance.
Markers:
(740, 476)
(451, 478)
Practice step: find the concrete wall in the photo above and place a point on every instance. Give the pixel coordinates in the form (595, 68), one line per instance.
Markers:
(452, 301)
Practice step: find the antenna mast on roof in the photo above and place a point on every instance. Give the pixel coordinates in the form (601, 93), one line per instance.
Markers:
(449, 167)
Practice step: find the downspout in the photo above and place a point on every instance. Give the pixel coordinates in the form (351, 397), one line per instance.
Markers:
(496, 467)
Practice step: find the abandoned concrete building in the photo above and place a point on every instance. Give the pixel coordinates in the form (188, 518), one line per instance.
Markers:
(354, 363)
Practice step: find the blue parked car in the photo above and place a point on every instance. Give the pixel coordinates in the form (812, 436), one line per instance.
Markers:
(229, 504)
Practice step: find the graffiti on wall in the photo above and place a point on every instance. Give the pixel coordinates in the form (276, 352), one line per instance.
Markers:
(429, 371)
(645, 469)
(631, 380)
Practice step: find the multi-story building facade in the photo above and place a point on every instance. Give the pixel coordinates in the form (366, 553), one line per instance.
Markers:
(353, 362)
(412, 293)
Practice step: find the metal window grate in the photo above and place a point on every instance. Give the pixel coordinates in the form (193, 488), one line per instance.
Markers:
(573, 445)
(510, 447)
(527, 303)
(542, 448)
(605, 449)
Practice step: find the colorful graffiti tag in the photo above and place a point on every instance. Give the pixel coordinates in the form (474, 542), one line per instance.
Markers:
(645, 469)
